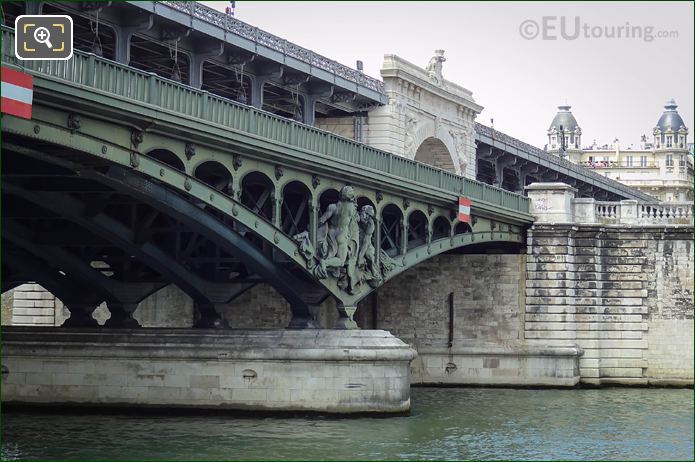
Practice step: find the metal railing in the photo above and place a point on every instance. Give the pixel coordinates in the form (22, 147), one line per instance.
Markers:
(261, 37)
(622, 164)
(577, 171)
(86, 69)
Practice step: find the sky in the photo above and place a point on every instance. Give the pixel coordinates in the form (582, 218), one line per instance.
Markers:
(517, 58)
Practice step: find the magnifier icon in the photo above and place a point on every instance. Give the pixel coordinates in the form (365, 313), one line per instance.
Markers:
(42, 35)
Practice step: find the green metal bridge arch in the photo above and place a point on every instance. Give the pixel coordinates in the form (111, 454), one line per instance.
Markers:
(104, 123)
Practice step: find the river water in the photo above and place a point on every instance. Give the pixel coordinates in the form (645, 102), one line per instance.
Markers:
(445, 423)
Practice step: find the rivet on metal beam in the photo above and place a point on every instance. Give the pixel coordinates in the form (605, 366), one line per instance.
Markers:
(187, 184)
(104, 149)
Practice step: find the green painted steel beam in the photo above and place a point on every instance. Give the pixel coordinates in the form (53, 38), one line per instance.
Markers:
(102, 85)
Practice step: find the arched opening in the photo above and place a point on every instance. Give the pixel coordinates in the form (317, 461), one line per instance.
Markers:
(434, 152)
(417, 229)
(462, 228)
(296, 205)
(362, 201)
(227, 82)
(441, 228)
(485, 171)
(167, 157)
(510, 180)
(285, 102)
(328, 197)
(216, 175)
(391, 230)
(164, 59)
(257, 194)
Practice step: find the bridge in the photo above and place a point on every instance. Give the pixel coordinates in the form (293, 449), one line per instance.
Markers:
(250, 189)
(190, 43)
(512, 164)
(127, 181)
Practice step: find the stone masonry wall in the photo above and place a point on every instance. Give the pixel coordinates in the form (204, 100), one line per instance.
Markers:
(622, 293)
(487, 301)
(7, 300)
(32, 305)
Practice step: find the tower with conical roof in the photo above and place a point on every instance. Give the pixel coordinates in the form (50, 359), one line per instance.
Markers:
(670, 132)
(565, 135)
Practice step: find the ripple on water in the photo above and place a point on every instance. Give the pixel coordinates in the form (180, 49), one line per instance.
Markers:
(445, 423)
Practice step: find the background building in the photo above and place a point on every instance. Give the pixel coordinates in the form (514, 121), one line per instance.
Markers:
(662, 168)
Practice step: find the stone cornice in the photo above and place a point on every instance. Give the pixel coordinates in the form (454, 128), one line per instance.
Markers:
(397, 67)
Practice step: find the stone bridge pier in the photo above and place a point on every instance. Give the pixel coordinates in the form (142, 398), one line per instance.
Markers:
(616, 280)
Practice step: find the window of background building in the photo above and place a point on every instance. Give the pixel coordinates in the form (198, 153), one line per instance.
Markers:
(681, 162)
(669, 141)
(669, 160)
(629, 161)
(643, 161)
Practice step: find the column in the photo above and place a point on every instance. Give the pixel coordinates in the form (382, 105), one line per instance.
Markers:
(80, 315)
(346, 319)
(122, 315)
(302, 317)
(210, 315)
(551, 202)
(124, 32)
(198, 57)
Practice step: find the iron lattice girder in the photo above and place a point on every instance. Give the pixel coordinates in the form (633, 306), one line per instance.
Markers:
(112, 290)
(184, 211)
(66, 288)
(119, 235)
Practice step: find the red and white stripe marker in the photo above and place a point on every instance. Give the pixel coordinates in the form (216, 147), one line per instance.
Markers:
(17, 93)
(464, 209)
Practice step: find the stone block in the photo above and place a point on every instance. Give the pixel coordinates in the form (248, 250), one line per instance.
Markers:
(620, 372)
(67, 379)
(204, 381)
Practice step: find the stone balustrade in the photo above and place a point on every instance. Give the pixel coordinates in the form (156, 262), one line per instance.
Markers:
(555, 203)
